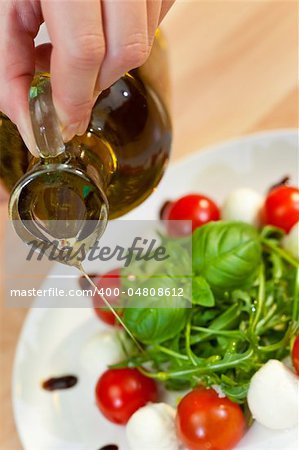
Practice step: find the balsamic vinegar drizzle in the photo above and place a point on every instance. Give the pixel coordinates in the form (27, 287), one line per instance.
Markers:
(68, 381)
(109, 447)
(59, 383)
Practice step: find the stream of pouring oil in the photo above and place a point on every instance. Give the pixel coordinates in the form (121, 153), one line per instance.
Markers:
(83, 272)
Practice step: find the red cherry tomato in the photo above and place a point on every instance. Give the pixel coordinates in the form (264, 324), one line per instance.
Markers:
(205, 421)
(194, 207)
(295, 354)
(109, 283)
(120, 392)
(281, 207)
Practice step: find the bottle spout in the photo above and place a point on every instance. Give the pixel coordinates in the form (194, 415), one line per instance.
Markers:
(45, 123)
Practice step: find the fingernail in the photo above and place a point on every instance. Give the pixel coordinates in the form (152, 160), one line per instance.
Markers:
(73, 129)
(30, 143)
(83, 126)
(25, 130)
(96, 95)
(69, 131)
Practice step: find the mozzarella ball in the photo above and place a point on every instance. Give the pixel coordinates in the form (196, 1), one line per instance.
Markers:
(243, 205)
(103, 349)
(291, 241)
(273, 396)
(153, 427)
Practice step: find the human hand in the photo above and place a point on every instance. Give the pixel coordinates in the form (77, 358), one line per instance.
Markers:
(94, 42)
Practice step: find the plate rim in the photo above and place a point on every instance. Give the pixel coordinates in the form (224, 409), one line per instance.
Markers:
(31, 316)
(210, 148)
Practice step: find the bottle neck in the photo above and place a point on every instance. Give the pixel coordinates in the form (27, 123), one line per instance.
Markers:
(58, 204)
(62, 200)
(62, 197)
(44, 120)
(93, 154)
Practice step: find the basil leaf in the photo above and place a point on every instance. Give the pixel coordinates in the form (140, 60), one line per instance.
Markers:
(152, 325)
(157, 318)
(226, 254)
(202, 293)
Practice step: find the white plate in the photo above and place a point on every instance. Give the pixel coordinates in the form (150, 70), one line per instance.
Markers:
(51, 340)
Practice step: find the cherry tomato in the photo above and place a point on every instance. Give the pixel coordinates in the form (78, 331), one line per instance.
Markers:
(281, 207)
(107, 282)
(120, 392)
(205, 421)
(194, 207)
(295, 354)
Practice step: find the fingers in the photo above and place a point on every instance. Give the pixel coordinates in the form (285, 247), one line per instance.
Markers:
(166, 5)
(16, 70)
(80, 62)
(153, 17)
(76, 32)
(130, 27)
(127, 40)
(4, 195)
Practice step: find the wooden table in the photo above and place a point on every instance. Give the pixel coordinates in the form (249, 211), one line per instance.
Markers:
(234, 67)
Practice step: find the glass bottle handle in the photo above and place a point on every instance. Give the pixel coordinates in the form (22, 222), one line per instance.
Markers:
(44, 119)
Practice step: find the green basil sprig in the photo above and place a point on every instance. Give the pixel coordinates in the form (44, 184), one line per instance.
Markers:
(227, 254)
(245, 311)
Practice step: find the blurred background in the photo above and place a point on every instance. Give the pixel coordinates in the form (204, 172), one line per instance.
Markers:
(234, 71)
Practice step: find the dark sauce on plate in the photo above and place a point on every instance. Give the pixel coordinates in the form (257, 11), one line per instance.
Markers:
(59, 383)
(109, 447)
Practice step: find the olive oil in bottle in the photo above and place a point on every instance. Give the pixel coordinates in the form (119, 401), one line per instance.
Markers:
(70, 192)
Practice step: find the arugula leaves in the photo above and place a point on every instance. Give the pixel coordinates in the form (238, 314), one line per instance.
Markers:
(156, 318)
(245, 307)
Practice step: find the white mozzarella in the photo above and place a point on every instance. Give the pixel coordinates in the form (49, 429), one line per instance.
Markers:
(243, 205)
(273, 396)
(153, 427)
